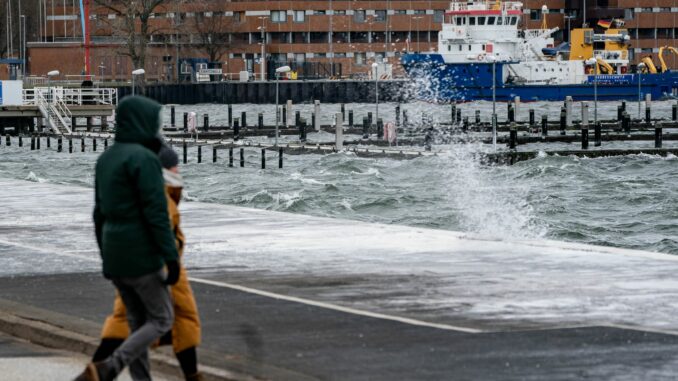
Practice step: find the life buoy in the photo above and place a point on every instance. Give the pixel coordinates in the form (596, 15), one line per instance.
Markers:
(480, 56)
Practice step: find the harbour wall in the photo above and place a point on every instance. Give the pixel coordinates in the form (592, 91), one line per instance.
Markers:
(265, 92)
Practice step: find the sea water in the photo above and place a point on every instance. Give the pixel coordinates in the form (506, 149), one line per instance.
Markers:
(625, 201)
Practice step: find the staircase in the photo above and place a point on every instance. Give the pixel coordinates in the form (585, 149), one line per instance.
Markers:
(56, 113)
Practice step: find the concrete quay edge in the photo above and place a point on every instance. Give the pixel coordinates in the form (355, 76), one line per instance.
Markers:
(38, 327)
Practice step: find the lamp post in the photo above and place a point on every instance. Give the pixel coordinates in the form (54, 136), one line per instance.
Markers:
(493, 59)
(641, 66)
(262, 65)
(282, 69)
(375, 67)
(101, 72)
(418, 18)
(134, 74)
(569, 30)
(594, 62)
(51, 74)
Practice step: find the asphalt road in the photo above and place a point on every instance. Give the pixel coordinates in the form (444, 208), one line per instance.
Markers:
(280, 339)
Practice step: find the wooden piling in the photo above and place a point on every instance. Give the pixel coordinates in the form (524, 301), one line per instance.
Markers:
(230, 156)
(185, 152)
(199, 154)
(32, 143)
(597, 134)
(280, 157)
(214, 154)
(658, 137)
(584, 138)
(242, 157)
(94, 144)
(263, 158)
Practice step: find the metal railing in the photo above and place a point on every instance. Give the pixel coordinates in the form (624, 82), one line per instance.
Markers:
(73, 96)
(54, 112)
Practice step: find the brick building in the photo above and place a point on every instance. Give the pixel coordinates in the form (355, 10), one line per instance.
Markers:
(340, 37)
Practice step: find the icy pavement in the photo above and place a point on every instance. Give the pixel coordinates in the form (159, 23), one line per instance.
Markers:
(23, 361)
(435, 276)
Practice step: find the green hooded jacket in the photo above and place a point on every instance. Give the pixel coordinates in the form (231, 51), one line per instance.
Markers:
(130, 213)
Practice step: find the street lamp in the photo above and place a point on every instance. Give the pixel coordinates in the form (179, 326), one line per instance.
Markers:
(282, 69)
(594, 62)
(134, 74)
(375, 67)
(263, 47)
(101, 72)
(51, 74)
(569, 30)
(641, 66)
(493, 59)
(418, 18)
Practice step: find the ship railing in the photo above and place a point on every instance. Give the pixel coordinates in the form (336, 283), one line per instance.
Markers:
(486, 5)
(611, 54)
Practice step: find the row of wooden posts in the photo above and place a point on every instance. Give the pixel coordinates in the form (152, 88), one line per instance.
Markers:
(456, 116)
(35, 144)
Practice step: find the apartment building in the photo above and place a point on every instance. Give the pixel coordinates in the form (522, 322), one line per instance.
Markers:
(340, 37)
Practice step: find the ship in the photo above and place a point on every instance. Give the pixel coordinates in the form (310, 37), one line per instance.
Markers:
(483, 54)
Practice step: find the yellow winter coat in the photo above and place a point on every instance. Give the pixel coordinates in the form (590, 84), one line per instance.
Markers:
(186, 328)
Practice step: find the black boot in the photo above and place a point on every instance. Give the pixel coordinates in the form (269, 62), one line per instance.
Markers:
(188, 359)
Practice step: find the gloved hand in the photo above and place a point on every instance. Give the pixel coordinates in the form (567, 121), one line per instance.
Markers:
(172, 272)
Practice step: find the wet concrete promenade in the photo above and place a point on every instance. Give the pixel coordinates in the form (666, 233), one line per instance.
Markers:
(294, 297)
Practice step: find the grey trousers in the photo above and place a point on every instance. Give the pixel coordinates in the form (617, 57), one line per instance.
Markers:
(149, 314)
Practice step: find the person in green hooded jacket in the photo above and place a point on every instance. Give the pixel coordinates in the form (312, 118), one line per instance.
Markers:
(134, 236)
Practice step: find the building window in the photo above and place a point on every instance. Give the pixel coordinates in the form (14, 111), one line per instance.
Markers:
(420, 12)
(628, 14)
(300, 57)
(278, 16)
(319, 12)
(340, 12)
(438, 16)
(359, 16)
(401, 12)
(239, 16)
(535, 14)
(380, 15)
(646, 9)
(299, 16)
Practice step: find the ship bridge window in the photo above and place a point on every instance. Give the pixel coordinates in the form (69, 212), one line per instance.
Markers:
(481, 20)
(449, 48)
(460, 48)
(472, 21)
(499, 20)
(490, 21)
(514, 20)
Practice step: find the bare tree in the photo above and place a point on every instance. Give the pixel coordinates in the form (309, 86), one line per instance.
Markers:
(131, 22)
(213, 30)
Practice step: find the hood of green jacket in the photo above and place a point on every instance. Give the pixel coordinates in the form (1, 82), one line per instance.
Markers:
(138, 121)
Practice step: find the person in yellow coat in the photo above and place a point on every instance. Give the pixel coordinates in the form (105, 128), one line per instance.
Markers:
(185, 333)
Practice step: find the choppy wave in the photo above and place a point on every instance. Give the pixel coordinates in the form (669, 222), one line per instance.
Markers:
(628, 201)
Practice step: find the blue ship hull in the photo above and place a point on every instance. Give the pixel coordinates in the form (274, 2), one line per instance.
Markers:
(465, 82)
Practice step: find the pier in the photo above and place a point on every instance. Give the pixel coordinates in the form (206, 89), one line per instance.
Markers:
(59, 109)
